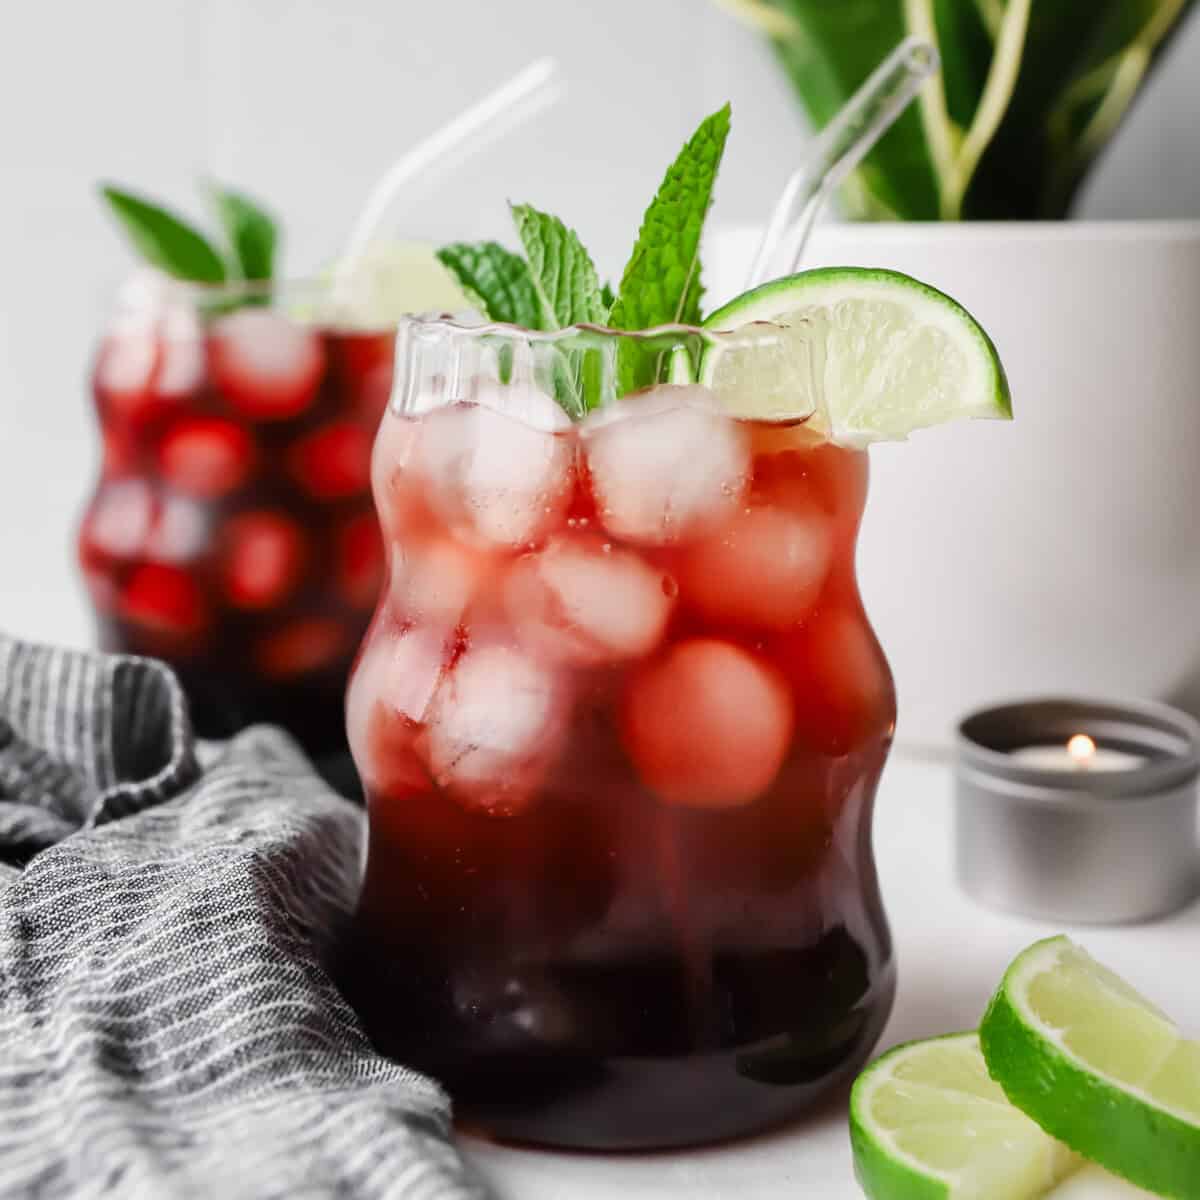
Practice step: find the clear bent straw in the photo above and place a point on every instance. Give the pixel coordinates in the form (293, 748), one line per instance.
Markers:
(513, 103)
(838, 149)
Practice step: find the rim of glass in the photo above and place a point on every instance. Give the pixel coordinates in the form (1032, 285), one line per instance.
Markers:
(459, 326)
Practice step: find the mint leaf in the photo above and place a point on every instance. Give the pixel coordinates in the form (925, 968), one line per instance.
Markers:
(495, 279)
(251, 233)
(564, 276)
(164, 240)
(661, 284)
(608, 297)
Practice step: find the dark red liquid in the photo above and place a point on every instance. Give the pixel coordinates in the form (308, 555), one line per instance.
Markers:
(232, 531)
(646, 913)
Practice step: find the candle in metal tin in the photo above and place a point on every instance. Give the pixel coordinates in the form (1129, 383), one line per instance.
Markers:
(1078, 811)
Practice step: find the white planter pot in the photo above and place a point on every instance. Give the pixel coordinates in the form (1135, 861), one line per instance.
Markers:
(1060, 553)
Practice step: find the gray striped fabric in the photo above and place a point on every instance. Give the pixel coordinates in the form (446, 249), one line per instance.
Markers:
(167, 1027)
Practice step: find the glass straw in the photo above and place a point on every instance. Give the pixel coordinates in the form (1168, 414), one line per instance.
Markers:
(508, 106)
(838, 149)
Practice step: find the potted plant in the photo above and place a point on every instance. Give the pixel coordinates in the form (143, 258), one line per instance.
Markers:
(1070, 558)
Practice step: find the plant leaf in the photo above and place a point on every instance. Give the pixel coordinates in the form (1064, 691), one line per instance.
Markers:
(495, 279)
(834, 48)
(163, 239)
(251, 233)
(563, 274)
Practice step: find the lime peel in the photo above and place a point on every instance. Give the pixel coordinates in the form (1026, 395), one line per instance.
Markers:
(1119, 1124)
(932, 1077)
(869, 354)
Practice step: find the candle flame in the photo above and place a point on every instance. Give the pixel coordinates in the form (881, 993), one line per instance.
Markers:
(1081, 748)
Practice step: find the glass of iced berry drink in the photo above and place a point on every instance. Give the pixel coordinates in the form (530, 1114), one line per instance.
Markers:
(232, 531)
(620, 718)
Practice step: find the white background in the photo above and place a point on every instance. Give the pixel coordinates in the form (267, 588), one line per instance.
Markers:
(303, 103)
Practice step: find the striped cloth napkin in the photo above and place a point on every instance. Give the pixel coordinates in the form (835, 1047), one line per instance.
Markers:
(167, 1027)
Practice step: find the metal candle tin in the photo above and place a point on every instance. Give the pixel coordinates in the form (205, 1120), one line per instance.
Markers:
(1083, 846)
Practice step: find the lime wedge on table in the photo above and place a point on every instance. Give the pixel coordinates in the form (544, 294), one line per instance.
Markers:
(927, 1123)
(866, 355)
(1097, 1066)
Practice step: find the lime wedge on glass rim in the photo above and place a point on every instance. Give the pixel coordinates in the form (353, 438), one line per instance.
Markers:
(1097, 1066)
(927, 1123)
(864, 355)
(391, 279)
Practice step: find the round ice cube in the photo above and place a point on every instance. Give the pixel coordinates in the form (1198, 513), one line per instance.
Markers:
(386, 704)
(434, 580)
(494, 478)
(584, 601)
(394, 484)
(765, 567)
(495, 727)
(265, 365)
(665, 466)
(707, 725)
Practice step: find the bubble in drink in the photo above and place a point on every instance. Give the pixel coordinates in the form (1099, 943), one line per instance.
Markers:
(665, 467)
(765, 567)
(574, 603)
(495, 728)
(707, 725)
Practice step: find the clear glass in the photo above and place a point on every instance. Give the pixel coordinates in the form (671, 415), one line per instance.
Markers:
(620, 719)
(231, 531)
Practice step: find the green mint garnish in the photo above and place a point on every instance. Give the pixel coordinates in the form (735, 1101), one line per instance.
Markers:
(251, 233)
(661, 284)
(496, 279)
(564, 277)
(556, 286)
(165, 240)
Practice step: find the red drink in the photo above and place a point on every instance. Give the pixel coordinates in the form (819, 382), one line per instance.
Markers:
(620, 718)
(232, 531)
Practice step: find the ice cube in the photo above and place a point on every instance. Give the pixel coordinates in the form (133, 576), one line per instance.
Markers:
(206, 456)
(707, 725)
(434, 580)
(665, 466)
(301, 647)
(766, 567)
(583, 601)
(267, 366)
(387, 702)
(493, 478)
(394, 483)
(495, 727)
(119, 520)
(843, 687)
(523, 403)
(181, 530)
(264, 556)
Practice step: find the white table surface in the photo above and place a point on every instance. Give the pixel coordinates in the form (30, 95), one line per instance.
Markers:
(951, 953)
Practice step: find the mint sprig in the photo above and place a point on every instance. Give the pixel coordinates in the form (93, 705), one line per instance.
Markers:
(165, 240)
(661, 284)
(564, 276)
(496, 279)
(250, 232)
(556, 285)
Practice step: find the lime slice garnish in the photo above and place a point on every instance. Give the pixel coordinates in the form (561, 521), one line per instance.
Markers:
(391, 280)
(864, 355)
(927, 1123)
(1097, 1066)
